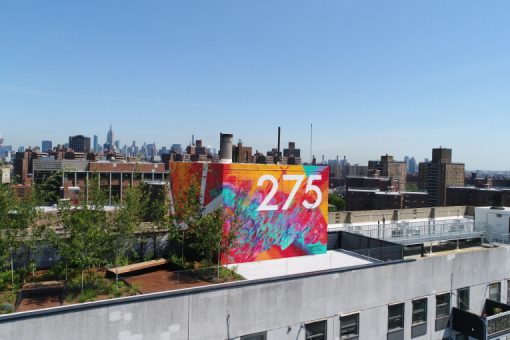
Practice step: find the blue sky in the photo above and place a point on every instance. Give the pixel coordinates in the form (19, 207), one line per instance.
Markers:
(374, 77)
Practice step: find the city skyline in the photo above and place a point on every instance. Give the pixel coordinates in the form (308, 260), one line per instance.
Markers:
(371, 78)
(215, 146)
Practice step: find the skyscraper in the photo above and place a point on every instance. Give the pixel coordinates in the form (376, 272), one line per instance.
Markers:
(96, 143)
(79, 143)
(109, 138)
(413, 168)
(46, 145)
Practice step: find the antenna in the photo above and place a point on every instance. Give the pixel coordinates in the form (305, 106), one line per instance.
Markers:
(278, 150)
(311, 139)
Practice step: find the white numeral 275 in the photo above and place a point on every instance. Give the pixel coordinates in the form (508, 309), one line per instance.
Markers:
(265, 206)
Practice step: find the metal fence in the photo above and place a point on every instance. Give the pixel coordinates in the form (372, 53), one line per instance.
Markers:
(418, 232)
(387, 253)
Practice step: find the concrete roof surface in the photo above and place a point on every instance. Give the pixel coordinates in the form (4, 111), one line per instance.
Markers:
(300, 264)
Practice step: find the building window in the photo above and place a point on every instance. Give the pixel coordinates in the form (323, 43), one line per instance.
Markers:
(419, 311)
(495, 291)
(257, 336)
(508, 292)
(349, 326)
(463, 298)
(419, 318)
(315, 330)
(442, 311)
(395, 317)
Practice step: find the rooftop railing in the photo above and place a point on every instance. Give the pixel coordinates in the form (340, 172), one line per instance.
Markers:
(423, 231)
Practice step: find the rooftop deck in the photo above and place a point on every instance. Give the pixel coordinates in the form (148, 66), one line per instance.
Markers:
(417, 231)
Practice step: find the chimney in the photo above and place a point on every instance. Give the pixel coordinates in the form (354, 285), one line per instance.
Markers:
(226, 148)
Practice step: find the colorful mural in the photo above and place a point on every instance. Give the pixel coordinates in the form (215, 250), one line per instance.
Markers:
(277, 210)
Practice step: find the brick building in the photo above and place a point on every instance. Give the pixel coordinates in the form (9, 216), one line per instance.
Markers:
(113, 177)
(23, 164)
(440, 173)
(388, 167)
(292, 151)
(365, 199)
(241, 154)
(371, 183)
(477, 197)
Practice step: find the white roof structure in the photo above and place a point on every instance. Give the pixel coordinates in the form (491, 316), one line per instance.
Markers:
(333, 259)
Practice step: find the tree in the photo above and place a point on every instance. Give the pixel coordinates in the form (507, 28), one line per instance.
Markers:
(202, 235)
(155, 207)
(337, 201)
(17, 222)
(411, 187)
(86, 242)
(48, 192)
(126, 221)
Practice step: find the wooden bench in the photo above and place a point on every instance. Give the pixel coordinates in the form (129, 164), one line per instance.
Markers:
(46, 294)
(43, 287)
(136, 267)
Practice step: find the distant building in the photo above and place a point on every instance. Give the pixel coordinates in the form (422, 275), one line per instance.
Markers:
(413, 167)
(241, 154)
(363, 199)
(197, 152)
(482, 193)
(46, 145)
(340, 170)
(477, 197)
(440, 173)
(79, 143)
(110, 139)
(371, 183)
(5, 174)
(292, 151)
(388, 167)
(177, 148)
(21, 163)
(96, 144)
(115, 177)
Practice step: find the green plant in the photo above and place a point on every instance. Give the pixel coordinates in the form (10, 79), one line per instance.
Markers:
(17, 222)
(135, 288)
(229, 274)
(7, 308)
(87, 240)
(496, 310)
(337, 201)
(5, 280)
(87, 295)
(7, 301)
(103, 285)
(178, 261)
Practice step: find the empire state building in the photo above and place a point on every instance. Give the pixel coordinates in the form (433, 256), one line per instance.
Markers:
(110, 139)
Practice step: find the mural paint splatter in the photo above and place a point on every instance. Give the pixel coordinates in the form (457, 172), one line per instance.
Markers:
(280, 210)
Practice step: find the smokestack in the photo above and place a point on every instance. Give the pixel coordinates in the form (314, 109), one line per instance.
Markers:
(278, 140)
(226, 148)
